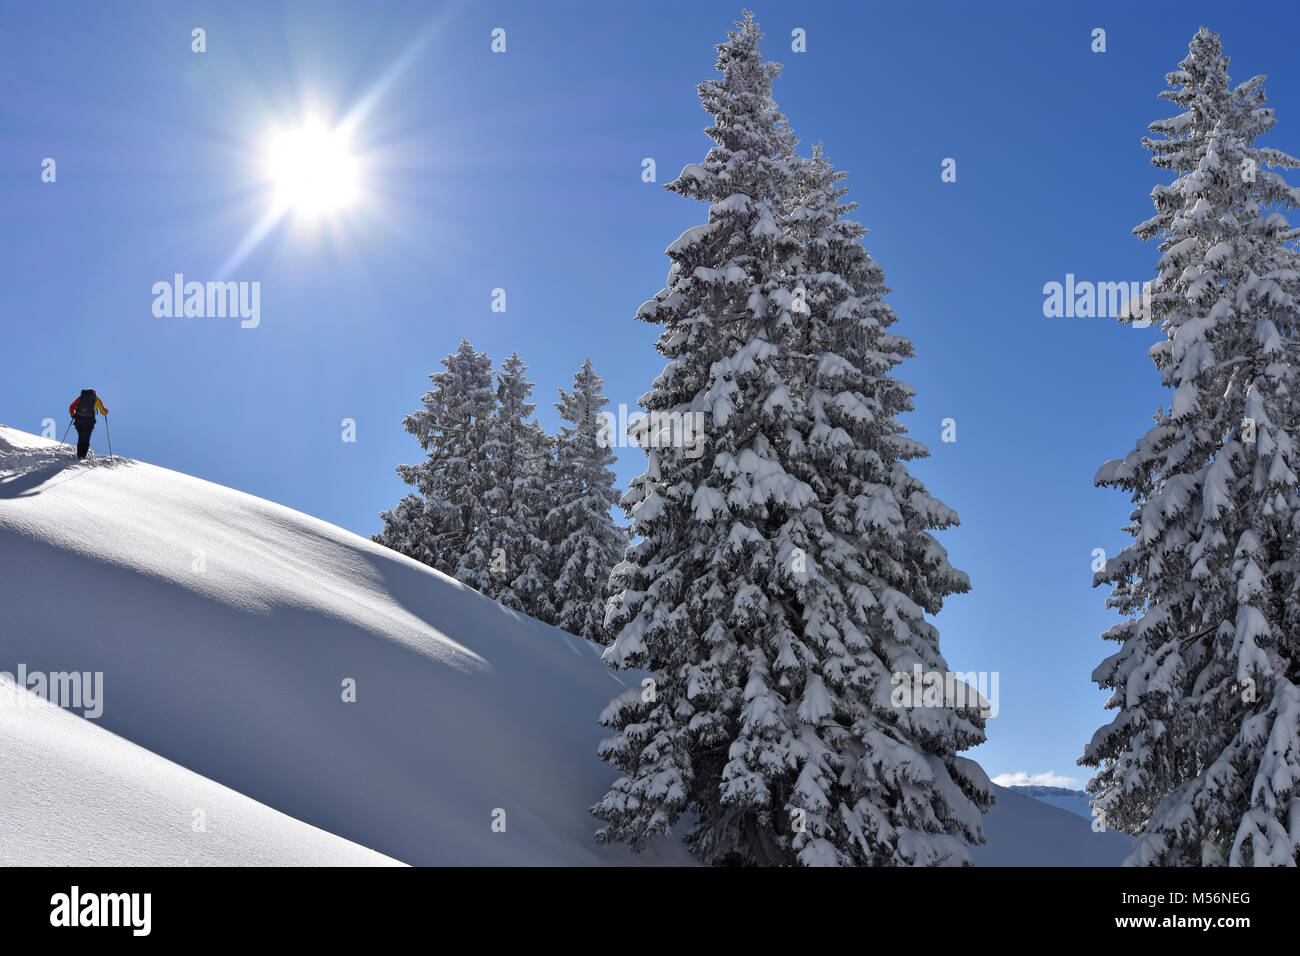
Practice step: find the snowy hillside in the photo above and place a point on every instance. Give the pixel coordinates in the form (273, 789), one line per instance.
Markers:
(1023, 831)
(73, 794)
(226, 627)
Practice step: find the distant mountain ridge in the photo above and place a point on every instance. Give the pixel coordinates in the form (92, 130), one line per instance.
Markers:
(1076, 801)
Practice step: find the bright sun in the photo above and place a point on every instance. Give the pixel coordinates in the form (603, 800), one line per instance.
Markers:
(312, 169)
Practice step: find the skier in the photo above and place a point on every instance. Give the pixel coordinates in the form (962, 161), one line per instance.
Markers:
(82, 411)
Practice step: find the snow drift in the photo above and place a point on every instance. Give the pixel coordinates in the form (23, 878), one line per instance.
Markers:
(1023, 831)
(72, 794)
(228, 630)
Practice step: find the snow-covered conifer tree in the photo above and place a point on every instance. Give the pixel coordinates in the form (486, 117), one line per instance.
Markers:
(439, 526)
(784, 569)
(513, 536)
(1203, 757)
(408, 528)
(587, 543)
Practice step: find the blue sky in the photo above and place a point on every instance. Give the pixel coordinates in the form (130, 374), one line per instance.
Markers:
(522, 170)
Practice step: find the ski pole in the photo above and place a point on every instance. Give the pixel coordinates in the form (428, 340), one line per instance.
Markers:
(109, 435)
(64, 439)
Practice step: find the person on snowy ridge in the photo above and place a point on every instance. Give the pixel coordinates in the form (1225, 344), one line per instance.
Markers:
(82, 411)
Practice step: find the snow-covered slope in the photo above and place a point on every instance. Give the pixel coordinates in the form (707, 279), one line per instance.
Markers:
(1022, 831)
(73, 795)
(226, 626)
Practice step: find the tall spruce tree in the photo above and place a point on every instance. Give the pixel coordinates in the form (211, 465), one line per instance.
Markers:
(440, 526)
(869, 530)
(1203, 757)
(782, 576)
(517, 452)
(587, 543)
